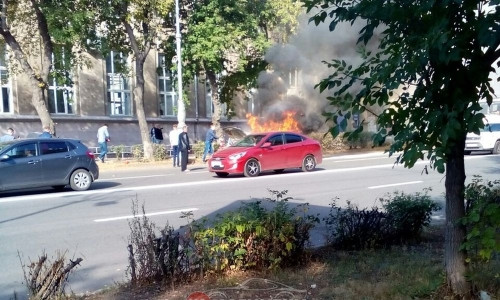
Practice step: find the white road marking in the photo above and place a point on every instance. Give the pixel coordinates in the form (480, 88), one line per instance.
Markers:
(147, 215)
(393, 184)
(134, 177)
(221, 181)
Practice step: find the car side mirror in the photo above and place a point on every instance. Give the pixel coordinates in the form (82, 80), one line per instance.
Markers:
(4, 157)
(266, 145)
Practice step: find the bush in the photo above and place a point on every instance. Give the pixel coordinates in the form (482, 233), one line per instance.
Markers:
(409, 214)
(159, 152)
(153, 253)
(361, 140)
(198, 149)
(482, 220)
(118, 149)
(46, 279)
(402, 220)
(254, 237)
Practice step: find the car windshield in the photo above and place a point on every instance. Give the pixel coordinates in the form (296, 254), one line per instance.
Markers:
(250, 140)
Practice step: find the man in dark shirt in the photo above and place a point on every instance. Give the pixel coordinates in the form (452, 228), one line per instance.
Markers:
(156, 134)
(184, 147)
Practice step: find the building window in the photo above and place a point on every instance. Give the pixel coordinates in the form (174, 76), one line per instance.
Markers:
(5, 96)
(61, 94)
(167, 94)
(209, 103)
(119, 98)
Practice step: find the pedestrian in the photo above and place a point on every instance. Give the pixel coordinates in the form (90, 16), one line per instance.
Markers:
(174, 144)
(102, 140)
(184, 147)
(209, 139)
(46, 133)
(156, 134)
(9, 136)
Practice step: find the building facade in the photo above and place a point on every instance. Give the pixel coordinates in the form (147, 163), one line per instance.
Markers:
(103, 93)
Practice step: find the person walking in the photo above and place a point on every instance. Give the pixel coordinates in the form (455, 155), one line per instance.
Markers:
(174, 144)
(46, 133)
(184, 147)
(102, 140)
(156, 134)
(209, 139)
(9, 136)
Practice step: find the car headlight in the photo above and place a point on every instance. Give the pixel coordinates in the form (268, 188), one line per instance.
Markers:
(237, 156)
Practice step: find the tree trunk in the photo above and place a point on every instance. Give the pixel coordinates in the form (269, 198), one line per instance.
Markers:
(40, 104)
(455, 231)
(212, 79)
(139, 107)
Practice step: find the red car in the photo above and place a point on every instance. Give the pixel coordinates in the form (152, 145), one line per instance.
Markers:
(272, 151)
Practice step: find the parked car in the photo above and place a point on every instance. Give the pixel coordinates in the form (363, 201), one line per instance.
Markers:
(488, 138)
(272, 151)
(32, 163)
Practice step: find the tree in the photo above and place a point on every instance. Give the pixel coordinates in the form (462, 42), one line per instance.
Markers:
(226, 41)
(56, 24)
(136, 26)
(430, 68)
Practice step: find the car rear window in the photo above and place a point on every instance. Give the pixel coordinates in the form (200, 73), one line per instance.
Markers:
(293, 138)
(53, 147)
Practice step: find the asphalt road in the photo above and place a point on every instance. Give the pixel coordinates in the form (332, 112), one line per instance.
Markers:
(93, 224)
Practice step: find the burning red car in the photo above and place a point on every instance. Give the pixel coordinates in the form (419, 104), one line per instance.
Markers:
(272, 151)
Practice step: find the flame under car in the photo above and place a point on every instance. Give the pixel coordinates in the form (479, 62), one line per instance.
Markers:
(272, 151)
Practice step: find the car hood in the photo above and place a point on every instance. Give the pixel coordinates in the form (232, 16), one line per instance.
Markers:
(230, 150)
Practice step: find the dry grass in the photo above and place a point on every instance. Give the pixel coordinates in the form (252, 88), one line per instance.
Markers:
(411, 272)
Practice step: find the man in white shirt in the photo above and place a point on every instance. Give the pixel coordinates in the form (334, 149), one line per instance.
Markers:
(102, 140)
(174, 144)
(9, 136)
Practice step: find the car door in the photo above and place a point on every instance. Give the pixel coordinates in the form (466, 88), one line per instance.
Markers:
(293, 150)
(58, 160)
(272, 157)
(21, 167)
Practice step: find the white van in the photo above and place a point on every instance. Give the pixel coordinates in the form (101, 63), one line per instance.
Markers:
(489, 137)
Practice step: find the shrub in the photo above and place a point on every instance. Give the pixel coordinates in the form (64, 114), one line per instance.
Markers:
(153, 253)
(159, 152)
(198, 149)
(482, 219)
(361, 140)
(351, 228)
(402, 220)
(138, 151)
(118, 149)
(255, 237)
(46, 279)
(409, 214)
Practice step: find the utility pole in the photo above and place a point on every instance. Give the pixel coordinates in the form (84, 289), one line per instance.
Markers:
(181, 109)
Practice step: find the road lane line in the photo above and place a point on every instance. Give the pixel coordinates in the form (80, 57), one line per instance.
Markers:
(394, 184)
(147, 215)
(134, 177)
(222, 181)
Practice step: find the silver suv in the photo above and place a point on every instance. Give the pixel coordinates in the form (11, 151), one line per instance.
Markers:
(33, 163)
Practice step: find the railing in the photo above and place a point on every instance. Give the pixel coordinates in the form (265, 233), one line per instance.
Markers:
(127, 152)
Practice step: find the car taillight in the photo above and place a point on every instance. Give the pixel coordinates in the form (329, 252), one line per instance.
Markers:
(90, 154)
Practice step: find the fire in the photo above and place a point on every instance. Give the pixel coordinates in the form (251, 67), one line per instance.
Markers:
(287, 123)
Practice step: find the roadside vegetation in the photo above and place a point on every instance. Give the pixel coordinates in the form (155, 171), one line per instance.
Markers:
(391, 251)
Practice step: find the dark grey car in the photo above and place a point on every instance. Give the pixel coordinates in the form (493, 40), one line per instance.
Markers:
(32, 163)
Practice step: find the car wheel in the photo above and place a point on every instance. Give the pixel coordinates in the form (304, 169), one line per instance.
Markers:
(58, 187)
(252, 168)
(308, 164)
(467, 152)
(496, 148)
(279, 171)
(222, 174)
(80, 180)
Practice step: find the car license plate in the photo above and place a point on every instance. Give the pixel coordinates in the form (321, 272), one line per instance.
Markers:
(216, 163)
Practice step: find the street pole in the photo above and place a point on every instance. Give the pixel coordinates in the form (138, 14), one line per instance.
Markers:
(181, 109)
